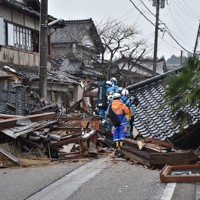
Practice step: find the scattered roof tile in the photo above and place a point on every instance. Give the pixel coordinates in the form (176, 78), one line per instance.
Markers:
(151, 120)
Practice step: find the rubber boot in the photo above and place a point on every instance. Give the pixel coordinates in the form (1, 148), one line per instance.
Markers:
(120, 143)
(117, 148)
(117, 144)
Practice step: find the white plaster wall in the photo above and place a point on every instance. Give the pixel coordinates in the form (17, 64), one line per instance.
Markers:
(19, 57)
(87, 41)
(32, 23)
(19, 18)
(5, 13)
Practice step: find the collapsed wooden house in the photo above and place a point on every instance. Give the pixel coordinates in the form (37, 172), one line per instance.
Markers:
(157, 138)
(48, 137)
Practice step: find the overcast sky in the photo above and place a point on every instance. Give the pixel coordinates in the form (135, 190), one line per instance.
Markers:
(181, 19)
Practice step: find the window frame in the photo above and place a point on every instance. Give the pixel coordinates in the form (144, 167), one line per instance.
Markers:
(23, 37)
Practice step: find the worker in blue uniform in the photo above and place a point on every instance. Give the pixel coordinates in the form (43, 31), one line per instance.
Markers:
(109, 88)
(114, 85)
(108, 122)
(105, 90)
(126, 100)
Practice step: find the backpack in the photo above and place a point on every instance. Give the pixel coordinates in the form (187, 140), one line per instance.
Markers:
(102, 100)
(113, 117)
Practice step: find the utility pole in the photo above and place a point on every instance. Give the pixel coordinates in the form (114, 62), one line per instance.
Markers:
(156, 38)
(158, 4)
(196, 52)
(43, 49)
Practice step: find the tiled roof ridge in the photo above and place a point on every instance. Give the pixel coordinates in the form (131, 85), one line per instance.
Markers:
(153, 79)
(79, 21)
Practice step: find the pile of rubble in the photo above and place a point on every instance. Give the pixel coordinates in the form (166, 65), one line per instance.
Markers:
(45, 137)
(49, 136)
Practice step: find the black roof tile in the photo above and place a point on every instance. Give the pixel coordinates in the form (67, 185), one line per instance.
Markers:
(74, 31)
(152, 120)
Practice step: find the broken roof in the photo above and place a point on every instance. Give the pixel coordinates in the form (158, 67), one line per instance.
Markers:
(74, 66)
(31, 73)
(75, 30)
(150, 119)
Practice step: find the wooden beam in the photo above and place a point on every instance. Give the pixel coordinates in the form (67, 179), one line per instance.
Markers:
(8, 123)
(173, 158)
(2, 116)
(134, 143)
(136, 155)
(11, 156)
(158, 142)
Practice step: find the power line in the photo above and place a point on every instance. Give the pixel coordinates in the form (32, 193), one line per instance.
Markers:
(147, 8)
(186, 9)
(142, 13)
(177, 27)
(183, 19)
(167, 29)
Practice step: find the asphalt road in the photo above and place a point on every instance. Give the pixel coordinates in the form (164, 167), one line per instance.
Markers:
(20, 183)
(122, 181)
(100, 179)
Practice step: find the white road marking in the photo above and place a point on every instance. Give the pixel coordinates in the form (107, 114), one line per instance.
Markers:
(66, 186)
(168, 192)
(197, 191)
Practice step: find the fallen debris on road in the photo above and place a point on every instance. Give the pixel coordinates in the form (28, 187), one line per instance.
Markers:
(180, 174)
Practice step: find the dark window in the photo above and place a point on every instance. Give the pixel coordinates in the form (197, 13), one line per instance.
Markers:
(22, 37)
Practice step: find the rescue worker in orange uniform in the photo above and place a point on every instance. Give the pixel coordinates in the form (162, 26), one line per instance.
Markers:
(121, 110)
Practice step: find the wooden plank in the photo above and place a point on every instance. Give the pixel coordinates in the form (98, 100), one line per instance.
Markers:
(173, 158)
(17, 131)
(2, 116)
(8, 123)
(52, 106)
(135, 144)
(10, 156)
(65, 128)
(166, 175)
(9, 132)
(158, 142)
(64, 142)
